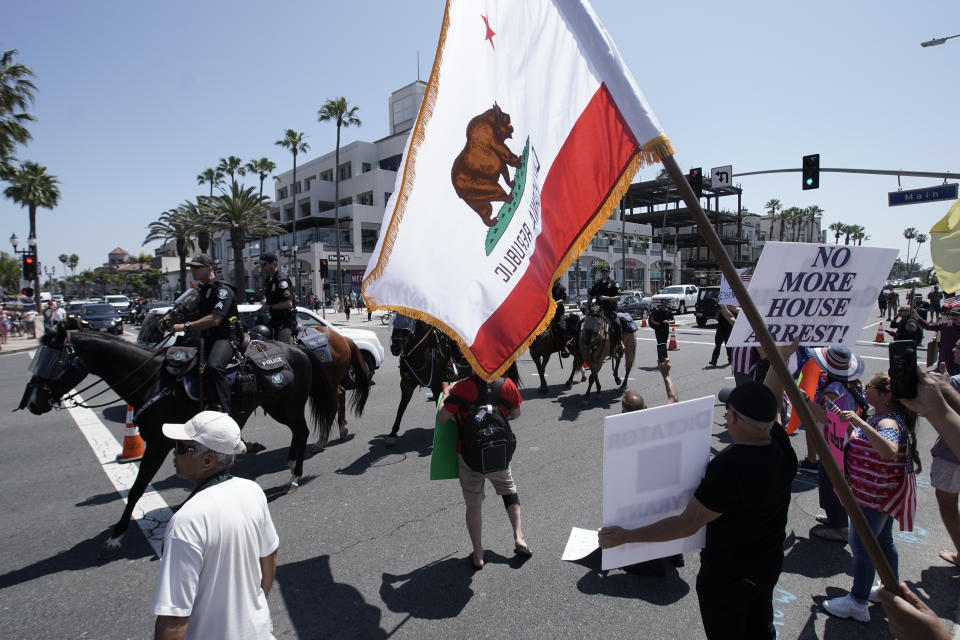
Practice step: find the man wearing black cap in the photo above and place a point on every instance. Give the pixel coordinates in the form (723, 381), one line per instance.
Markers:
(606, 293)
(277, 299)
(742, 500)
(216, 307)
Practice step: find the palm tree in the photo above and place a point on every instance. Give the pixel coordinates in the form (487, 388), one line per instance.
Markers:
(773, 205)
(16, 94)
(858, 234)
(231, 165)
(65, 260)
(837, 228)
(213, 176)
(812, 212)
(241, 213)
(173, 225)
(293, 141)
(32, 187)
(198, 217)
(74, 261)
(262, 168)
(337, 110)
(909, 233)
(9, 272)
(920, 238)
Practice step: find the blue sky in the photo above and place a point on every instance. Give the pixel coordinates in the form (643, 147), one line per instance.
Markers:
(135, 99)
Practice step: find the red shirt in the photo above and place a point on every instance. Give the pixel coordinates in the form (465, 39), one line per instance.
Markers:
(467, 393)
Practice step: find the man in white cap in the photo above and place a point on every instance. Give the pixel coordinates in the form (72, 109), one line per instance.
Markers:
(220, 549)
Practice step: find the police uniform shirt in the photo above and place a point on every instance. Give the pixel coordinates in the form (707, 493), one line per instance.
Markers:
(277, 289)
(660, 317)
(605, 288)
(217, 298)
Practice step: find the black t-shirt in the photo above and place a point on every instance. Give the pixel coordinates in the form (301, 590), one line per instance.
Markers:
(659, 317)
(277, 289)
(217, 298)
(750, 486)
(606, 288)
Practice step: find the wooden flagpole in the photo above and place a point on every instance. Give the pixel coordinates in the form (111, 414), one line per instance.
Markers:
(780, 368)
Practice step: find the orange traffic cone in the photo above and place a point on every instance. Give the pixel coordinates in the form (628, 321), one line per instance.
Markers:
(133, 446)
(672, 346)
(879, 337)
(643, 320)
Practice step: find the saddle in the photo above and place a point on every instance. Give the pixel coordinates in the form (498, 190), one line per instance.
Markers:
(315, 341)
(180, 368)
(269, 365)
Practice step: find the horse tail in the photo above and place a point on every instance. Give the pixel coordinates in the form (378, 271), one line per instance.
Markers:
(323, 404)
(513, 373)
(361, 390)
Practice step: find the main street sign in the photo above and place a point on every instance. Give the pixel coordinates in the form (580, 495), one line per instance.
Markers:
(916, 196)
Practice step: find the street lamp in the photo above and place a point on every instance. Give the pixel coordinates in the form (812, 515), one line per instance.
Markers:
(937, 41)
(50, 272)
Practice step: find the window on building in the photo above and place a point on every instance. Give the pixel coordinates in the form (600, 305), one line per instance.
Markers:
(365, 198)
(392, 163)
(346, 202)
(288, 214)
(346, 171)
(324, 206)
(327, 176)
(304, 209)
(282, 193)
(386, 197)
(275, 215)
(368, 240)
(306, 184)
(297, 187)
(365, 167)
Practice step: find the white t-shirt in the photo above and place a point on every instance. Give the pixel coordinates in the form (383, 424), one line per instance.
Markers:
(59, 315)
(210, 570)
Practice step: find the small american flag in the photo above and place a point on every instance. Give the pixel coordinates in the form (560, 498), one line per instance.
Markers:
(949, 302)
(903, 504)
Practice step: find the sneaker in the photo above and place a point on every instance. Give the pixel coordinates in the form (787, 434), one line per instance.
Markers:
(874, 597)
(846, 607)
(824, 532)
(807, 466)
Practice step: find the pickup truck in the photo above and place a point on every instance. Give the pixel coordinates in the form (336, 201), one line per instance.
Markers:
(707, 307)
(679, 297)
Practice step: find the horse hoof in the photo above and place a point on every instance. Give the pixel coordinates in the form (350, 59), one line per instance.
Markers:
(254, 447)
(343, 434)
(109, 550)
(317, 447)
(292, 487)
(390, 441)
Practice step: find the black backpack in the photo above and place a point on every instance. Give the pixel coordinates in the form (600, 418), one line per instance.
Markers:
(488, 441)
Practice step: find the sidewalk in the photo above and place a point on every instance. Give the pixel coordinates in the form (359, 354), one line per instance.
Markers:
(358, 318)
(18, 343)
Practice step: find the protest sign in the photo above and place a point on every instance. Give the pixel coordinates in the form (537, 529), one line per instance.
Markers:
(835, 433)
(580, 544)
(726, 295)
(653, 461)
(817, 294)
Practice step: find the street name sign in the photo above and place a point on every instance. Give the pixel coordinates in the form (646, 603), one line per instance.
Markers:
(917, 196)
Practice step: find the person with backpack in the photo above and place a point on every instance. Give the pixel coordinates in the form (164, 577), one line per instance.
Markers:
(482, 412)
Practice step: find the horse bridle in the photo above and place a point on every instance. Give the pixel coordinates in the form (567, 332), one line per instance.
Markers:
(438, 340)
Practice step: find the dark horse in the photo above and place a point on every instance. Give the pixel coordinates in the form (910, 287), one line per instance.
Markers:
(551, 341)
(346, 371)
(593, 347)
(134, 374)
(428, 358)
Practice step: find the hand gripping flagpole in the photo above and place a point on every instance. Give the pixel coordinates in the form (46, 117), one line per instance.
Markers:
(780, 368)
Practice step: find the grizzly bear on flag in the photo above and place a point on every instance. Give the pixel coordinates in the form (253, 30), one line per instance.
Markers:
(476, 171)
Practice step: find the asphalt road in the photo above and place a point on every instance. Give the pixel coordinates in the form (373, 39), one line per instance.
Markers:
(371, 548)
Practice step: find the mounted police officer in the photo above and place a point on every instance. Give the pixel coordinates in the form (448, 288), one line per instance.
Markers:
(277, 300)
(559, 294)
(216, 319)
(606, 293)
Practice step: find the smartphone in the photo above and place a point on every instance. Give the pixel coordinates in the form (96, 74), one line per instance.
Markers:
(903, 368)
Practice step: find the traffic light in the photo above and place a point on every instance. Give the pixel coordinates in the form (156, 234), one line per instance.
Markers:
(811, 171)
(696, 181)
(324, 270)
(29, 267)
(27, 291)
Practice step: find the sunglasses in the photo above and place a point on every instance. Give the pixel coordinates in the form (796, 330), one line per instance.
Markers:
(183, 447)
(878, 387)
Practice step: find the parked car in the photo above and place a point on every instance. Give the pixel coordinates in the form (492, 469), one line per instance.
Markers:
(367, 341)
(706, 308)
(100, 317)
(679, 297)
(121, 303)
(635, 305)
(73, 310)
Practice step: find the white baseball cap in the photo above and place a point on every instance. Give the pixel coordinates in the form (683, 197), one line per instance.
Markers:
(214, 430)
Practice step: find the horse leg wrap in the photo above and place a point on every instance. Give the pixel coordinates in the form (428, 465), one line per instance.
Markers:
(510, 500)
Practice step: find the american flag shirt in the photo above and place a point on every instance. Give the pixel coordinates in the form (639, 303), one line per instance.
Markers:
(889, 486)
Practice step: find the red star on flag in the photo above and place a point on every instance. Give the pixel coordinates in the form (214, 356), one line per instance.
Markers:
(490, 33)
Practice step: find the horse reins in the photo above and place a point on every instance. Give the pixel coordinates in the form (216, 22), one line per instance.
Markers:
(71, 396)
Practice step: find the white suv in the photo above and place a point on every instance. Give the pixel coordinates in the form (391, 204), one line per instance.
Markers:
(367, 341)
(679, 297)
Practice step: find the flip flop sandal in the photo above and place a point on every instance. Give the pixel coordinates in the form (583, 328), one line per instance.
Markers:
(946, 556)
(826, 533)
(522, 550)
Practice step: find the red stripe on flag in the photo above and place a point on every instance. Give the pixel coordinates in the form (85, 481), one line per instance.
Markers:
(585, 171)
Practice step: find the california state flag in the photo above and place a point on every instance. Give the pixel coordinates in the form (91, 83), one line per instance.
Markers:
(530, 132)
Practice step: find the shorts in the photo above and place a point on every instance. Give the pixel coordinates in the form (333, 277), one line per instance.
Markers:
(471, 482)
(945, 475)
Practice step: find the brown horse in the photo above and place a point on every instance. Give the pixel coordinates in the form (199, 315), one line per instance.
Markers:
(550, 341)
(593, 347)
(346, 371)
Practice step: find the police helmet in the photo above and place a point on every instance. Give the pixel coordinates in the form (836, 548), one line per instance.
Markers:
(261, 332)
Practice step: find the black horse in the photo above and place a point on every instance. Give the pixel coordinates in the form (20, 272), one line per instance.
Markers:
(134, 374)
(428, 358)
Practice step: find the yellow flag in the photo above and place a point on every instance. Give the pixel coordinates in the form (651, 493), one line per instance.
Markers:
(945, 249)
